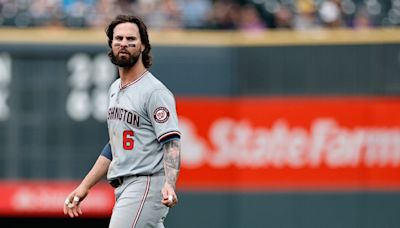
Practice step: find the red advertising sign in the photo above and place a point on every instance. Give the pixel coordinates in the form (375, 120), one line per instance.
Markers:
(43, 198)
(341, 143)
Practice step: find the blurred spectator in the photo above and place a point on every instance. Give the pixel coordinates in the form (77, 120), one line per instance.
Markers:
(249, 19)
(330, 13)
(283, 17)
(102, 12)
(362, 19)
(76, 12)
(224, 14)
(305, 17)
(158, 14)
(195, 13)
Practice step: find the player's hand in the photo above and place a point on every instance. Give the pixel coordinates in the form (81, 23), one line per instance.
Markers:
(72, 202)
(169, 196)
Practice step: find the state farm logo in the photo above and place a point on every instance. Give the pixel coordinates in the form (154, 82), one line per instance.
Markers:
(237, 142)
(161, 115)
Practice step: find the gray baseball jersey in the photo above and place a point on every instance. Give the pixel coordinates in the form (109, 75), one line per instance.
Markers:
(140, 115)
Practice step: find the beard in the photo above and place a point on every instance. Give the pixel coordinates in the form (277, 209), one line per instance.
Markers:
(127, 62)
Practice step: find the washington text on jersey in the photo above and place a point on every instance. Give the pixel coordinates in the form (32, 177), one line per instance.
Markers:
(116, 113)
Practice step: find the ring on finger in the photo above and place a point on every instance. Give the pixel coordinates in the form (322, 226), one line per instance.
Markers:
(76, 199)
(67, 202)
(170, 199)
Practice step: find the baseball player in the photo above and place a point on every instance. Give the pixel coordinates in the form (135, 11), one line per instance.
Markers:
(142, 158)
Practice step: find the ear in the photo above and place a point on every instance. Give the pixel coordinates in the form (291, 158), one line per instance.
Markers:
(142, 47)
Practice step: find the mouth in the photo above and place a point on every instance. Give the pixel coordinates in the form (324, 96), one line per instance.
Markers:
(123, 52)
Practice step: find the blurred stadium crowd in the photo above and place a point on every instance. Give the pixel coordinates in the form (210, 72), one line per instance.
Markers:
(204, 14)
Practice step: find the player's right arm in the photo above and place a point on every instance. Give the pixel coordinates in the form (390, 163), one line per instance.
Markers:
(98, 171)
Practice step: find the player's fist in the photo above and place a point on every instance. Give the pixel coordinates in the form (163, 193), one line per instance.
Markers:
(169, 196)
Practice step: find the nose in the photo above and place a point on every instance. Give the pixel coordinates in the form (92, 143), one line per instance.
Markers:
(124, 43)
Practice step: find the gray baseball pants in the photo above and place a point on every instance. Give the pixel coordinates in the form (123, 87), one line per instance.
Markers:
(138, 203)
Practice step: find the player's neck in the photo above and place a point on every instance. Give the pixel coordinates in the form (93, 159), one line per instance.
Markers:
(129, 75)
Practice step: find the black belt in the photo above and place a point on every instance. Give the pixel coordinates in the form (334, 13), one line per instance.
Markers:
(116, 182)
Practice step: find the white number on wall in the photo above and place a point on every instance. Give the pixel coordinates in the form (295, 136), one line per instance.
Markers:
(5, 79)
(89, 81)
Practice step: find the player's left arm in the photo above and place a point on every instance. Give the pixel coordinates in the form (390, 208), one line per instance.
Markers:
(172, 163)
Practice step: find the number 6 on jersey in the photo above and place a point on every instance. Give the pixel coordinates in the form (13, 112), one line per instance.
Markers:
(127, 140)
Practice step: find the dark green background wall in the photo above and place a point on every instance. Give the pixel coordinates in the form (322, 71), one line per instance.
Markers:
(40, 141)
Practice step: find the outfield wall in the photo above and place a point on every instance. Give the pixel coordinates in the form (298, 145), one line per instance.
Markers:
(280, 129)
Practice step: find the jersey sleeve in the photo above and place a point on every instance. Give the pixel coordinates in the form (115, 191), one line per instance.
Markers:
(106, 152)
(162, 113)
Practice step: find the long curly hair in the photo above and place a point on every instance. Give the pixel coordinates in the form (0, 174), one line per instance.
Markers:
(146, 56)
